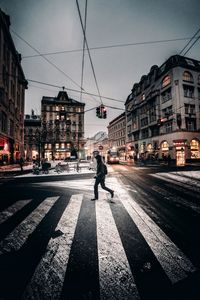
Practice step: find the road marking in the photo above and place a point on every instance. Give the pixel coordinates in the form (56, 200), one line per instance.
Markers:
(18, 236)
(116, 279)
(47, 281)
(178, 180)
(175, 264)
(11, 210)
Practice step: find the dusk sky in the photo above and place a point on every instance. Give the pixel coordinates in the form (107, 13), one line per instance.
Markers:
(51, 26)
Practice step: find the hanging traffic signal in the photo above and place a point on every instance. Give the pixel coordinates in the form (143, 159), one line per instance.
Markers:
(98, 112)
(101, 112)
(104, 112)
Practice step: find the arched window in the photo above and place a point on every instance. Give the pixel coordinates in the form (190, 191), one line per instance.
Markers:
(166, 81)
(164, 146)
(187, 76)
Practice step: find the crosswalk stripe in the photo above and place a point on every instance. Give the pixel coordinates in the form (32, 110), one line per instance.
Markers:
(175, 264)
(178, 180)
(18, 236)
(116, 280)
(49, 275)
(11, 210)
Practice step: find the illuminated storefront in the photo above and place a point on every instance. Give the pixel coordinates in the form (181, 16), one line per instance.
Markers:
(195, 149)
(4, 151)
(180, 150)
(164, 149)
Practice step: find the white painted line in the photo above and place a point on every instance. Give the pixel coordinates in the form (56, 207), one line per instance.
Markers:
(174, 262)
(116, 279)
(47, 281)
(178, 180)
(19, 235)
(11, 210)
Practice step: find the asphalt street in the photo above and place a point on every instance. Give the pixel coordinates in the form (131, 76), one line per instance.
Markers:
(55, 243)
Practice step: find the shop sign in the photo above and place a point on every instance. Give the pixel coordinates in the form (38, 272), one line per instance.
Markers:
(179, 142)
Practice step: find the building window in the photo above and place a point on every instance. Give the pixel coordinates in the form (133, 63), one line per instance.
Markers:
(190, 124)
(166, 95)
(166, 81)
(195, 149)
(167, 112)
(198, 80)
(188, 91)
(189, 109)
(165, 146)
(144, 121)
(57, 108)
(4, 122)
(187, 76)
(168, 127)
(145, 133)
(57, 146)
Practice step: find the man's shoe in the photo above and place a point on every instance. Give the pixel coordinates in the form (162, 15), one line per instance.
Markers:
(112, 194)
(94, 199)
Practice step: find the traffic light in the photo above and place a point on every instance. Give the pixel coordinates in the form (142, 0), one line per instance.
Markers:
(104, 112)
(101, 112)
(98, 112)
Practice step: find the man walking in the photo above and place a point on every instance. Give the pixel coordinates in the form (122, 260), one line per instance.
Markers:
(100, 178)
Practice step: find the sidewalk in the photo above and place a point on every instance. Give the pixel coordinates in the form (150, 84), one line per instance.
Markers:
(15, 169)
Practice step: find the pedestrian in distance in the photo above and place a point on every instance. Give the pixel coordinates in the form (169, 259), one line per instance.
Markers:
(100, 178)
(21, 163)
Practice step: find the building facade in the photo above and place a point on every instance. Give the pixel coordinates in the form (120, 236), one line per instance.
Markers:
(12, 95)
(62, 128)
(32, 129)
(163, 112)
(117, 135)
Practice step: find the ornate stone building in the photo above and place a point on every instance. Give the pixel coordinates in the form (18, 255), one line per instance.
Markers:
(163, 111)
(32, 131)
(62, 128)
(117, 135)
(12, 94)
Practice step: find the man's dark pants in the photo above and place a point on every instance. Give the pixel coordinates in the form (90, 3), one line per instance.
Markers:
(100, 180)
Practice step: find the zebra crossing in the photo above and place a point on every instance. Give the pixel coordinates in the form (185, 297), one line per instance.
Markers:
(116, 273)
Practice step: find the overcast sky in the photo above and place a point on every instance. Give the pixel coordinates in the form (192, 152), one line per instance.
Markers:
(52, 26)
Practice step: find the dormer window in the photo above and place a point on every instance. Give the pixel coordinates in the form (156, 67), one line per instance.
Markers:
(166, 81)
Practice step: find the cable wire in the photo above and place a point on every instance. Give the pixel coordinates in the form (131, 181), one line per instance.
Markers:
(192, 45)
(189, 42)
(88, 50)
(73, 90)
(83, 55)
(111, 46)
(54, 65)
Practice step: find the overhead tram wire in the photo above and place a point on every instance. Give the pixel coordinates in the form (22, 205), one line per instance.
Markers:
(192, 45)
(83, 55)
(180, 53)
(54, 65)
(88, 50)
(73, 90)
(43, 56)
(107, 47)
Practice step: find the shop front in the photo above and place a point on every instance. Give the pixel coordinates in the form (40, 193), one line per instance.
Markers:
(180, 147)
(195, 149)
(4, 151)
